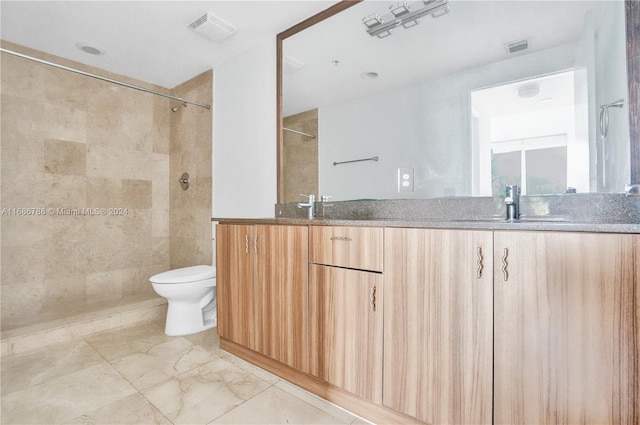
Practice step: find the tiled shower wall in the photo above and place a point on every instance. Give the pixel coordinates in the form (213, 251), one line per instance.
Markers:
(69, 144)
(190, 221)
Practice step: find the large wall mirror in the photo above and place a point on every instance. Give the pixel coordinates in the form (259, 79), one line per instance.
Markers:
(427, 99)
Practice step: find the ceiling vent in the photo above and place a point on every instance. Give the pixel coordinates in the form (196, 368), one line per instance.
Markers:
(213, 28)
(517, 46)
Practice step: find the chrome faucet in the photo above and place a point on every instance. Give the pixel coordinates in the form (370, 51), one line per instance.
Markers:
(512, 201)
(309, 204)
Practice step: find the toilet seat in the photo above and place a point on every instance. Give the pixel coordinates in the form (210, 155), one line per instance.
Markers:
(185, 275)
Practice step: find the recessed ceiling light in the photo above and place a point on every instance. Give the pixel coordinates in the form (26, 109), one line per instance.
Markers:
(92, 50)
(369, 75)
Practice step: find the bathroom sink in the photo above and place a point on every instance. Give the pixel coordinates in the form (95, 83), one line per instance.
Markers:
(540, 219)
(479, 220)
(544, 220)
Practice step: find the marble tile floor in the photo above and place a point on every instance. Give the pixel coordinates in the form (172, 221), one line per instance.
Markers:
(138, 375)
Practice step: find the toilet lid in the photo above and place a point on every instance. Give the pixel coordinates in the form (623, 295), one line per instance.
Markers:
(185, 274)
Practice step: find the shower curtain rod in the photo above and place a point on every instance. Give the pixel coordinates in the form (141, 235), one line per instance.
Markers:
(99, 77)
(298, 132)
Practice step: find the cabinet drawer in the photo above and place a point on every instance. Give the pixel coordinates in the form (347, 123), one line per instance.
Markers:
(352, 247)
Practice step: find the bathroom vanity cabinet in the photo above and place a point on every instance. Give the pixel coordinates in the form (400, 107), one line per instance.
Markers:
(426, 325)
(263, 290)
(235, 287)
(438, 324)
(346, 308)
(566, 328)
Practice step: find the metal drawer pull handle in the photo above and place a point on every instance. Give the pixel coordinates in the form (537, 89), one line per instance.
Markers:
(341, 238)
(246, 244)
(372, 299)
(505, 264)
(255, 244)
(479, 262)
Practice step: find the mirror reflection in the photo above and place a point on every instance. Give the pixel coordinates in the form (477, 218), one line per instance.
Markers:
(484, 94)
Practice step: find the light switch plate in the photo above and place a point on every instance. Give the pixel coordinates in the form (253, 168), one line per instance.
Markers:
(405, 180)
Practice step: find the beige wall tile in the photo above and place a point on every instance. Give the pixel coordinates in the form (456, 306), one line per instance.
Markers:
(136, 193)
(160, 247)
(23, 265)
(65, 294)
(18, 298)
(19, 77)
(104, 128)
(21, 130)
(190, 150)
(203, 250)
(160, 189)
(35, 190)
(201, 194)
(67, 247)
(26, 117)
(160, 223)
(138, 133)
(113, 284)
(162, 120)
(58, 191)
(104, 193)
(63, 157)
(117, 163)
(20, 155)
(20, 230)
(72, 142)
(182, 222)
(141, 285)
(203, 223)
(65, 123)
(70, 90)
(185, 256)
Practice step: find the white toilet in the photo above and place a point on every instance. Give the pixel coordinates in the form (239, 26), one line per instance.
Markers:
(191, 295)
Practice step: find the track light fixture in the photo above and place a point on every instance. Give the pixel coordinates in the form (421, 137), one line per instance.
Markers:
(401, 14)
(400, 9)
(372, 21)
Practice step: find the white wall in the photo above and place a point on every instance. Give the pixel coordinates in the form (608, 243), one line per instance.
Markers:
(244, 135)
(584, 88)
(426, 126)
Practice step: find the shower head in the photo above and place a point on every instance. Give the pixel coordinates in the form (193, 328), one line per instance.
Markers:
(604, 115)
(175, 108)
(616, 104)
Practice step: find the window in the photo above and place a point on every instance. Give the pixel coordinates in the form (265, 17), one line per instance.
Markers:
(538, 165)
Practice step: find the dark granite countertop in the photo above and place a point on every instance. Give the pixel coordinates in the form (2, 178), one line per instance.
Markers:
(533, 224)
(604, 213)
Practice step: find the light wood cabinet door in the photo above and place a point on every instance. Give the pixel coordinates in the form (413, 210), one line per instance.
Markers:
(438, 324)
(235, 283)
(282, 294)
(346, 329)
(567, 328)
